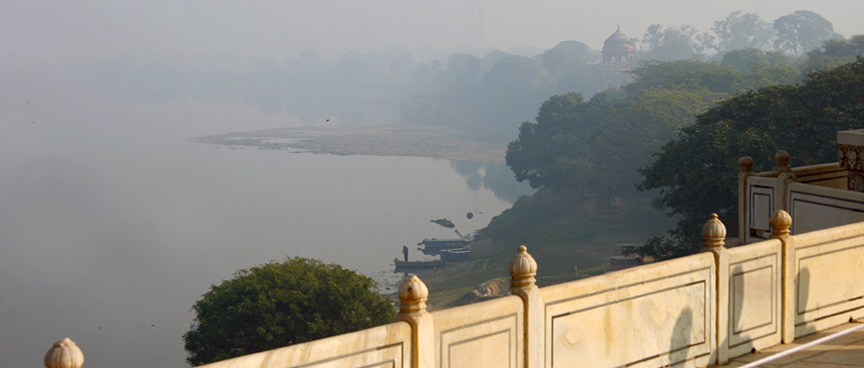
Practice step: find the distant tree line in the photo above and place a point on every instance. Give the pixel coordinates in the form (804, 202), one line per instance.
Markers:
(792, 35)
(486, 96)
(625, 147)
(598, 145)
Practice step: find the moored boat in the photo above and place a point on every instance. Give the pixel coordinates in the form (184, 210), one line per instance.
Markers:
(434, 243)
(460, 254)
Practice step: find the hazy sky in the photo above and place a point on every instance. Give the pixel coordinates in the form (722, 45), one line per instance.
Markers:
(49, 31)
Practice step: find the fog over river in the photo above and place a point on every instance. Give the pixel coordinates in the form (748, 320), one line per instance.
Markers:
(112, 224)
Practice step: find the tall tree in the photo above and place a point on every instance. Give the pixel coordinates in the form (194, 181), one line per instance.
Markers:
(279, 304)
(568, 67)
(745, 59)
(635, 128)
(695, 172)
(683, 42)
(802, 31)
(742, 31)
(560, 134)
(834, 53)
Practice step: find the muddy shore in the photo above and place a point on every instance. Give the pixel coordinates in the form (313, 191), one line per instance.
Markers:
(379, 140)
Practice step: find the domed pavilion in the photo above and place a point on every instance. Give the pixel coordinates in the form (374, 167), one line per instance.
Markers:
(619, 52)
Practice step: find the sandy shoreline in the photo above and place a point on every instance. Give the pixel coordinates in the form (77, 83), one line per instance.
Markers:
(378, 140)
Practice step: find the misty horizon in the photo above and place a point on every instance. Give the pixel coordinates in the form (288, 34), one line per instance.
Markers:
(112, 223)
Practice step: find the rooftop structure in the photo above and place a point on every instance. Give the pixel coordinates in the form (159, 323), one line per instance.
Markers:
(619, 52)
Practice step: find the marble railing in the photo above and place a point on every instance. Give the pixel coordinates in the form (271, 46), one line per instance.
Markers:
(686, 312)
(817, 197)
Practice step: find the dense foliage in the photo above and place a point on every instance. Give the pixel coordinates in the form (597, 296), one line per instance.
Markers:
(834, 53)
(597, 146)
(279, 304)
(695, 172)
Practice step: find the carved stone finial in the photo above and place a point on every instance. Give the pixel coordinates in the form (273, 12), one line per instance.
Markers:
(781, 222)
(413, 295)
(781, 162)
(714, 232)
(746, 163)
(64, 354)
(523, 267)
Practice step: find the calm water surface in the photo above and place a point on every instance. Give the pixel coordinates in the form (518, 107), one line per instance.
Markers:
(109, 237)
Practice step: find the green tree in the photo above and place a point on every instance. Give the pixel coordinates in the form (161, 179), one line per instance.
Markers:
(569, 67)
(745, 59)
(802, 31)
(684, 75)
(834, 53)
(761, 68)
(742, 31)
(695, 172)
(851, 47)
(634, 129)
(597, 145)
(684, 42)
(563, 56)
(543, 147)
(279, 304)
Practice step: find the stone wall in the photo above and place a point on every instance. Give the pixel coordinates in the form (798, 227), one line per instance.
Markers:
(687, 312)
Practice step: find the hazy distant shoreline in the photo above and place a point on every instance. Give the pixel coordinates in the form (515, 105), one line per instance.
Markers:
(377, 140)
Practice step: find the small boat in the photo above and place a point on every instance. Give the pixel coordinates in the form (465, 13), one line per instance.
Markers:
(400, 264)
(432, 251)
(461, 254)
(443, 243)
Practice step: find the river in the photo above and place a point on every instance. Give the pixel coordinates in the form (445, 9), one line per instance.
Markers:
(110, 231)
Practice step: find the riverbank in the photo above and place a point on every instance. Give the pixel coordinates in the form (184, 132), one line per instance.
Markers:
(576, 241)
(376, 140)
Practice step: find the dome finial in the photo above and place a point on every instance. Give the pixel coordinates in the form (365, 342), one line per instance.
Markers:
(619, 28)
(64, 354)
(714, 232)
(523, 267)
(413, 295)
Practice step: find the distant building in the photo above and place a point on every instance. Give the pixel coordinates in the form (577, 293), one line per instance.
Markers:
(619, 57)
(619, 52)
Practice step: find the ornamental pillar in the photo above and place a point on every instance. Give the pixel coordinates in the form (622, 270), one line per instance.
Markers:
(523, 268)
(413, 295)
(714, 235)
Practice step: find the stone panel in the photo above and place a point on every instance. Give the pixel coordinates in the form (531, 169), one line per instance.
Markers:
(763, 198)
(828, 289)
(382, 346)
(649, 316)
(816, 208)
(754, 297)
(761, 208)
(487, 334)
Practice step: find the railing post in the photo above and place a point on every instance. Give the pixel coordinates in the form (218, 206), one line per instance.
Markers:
(523, 268)
(784, 177)
(64, 354)
(412, 297)
(781, 222)
(714, 234)
(781, 162)
(746, 164)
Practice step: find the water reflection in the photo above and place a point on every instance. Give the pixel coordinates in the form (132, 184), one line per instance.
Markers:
(496, 177)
